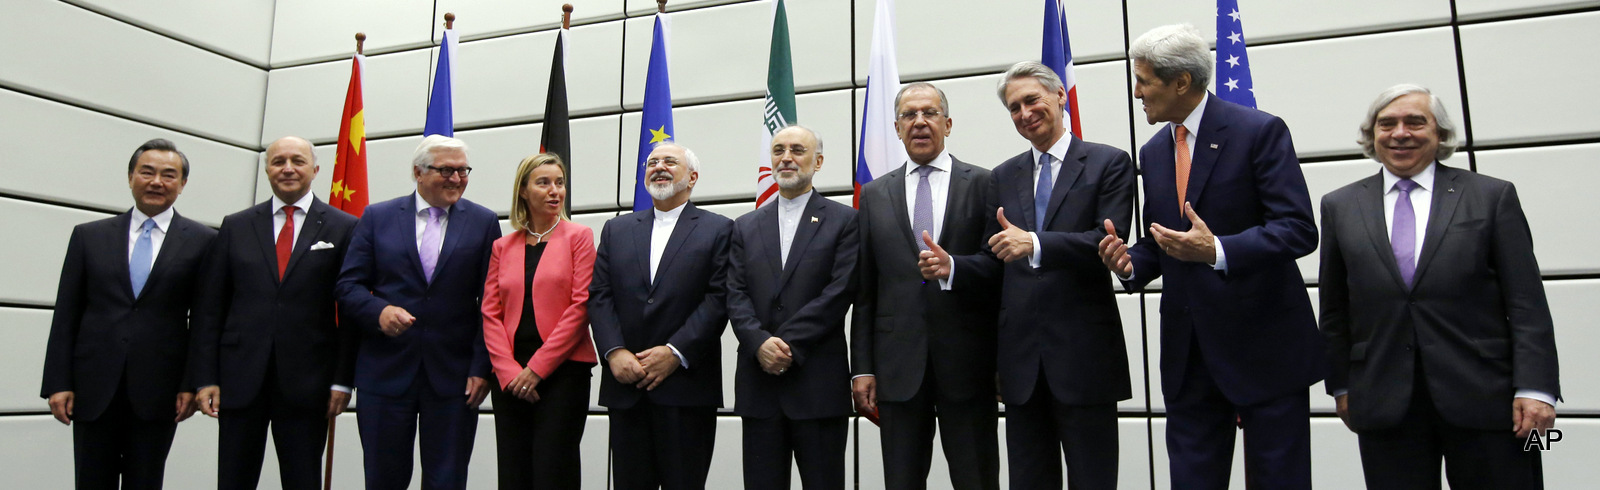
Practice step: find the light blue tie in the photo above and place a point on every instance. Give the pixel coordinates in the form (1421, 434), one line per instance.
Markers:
(1041, 194)
(139, 262)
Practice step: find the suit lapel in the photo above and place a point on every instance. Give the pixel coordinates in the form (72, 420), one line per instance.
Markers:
(643, 227)
(1371, 205)
(310, 231)
(451, 237)
(1445, 198)
(1207, 145)
(960, 180)
(1071, 168)
(408, 224)
(1024, 188)
(680, 234)
(803, 232)
(119, 231)
(897, 195)
(769, 241)
(261, 227)
(169, 247)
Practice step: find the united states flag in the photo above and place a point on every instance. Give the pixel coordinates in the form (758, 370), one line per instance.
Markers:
(1233, 63)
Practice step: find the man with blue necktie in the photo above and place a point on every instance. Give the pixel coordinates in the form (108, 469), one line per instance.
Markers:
(118, 341)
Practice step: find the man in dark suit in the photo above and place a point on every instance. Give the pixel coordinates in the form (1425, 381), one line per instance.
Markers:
(1063, 363)
(919, 352)
(118, 342)
(657, 306)
(411, 283)
(1238, 338)
(791, 279)
(265, 327)
(1435, 314)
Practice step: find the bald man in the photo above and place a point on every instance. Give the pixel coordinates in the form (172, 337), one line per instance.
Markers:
(265, 330)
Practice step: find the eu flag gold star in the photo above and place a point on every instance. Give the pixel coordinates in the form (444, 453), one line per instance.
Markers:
(659, 135)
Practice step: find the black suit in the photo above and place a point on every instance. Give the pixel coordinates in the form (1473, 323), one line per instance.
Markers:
(123, 357)
(273, 346)
(1062, 359)
(664, 436)
(803, 302)
(927, 348)
(1451, 350)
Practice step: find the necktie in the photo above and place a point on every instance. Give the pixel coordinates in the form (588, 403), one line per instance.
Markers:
(143, 253)
(285, 240)
(1403, 237)
(430, 242)
(1181, 157)
(922, 218)
(1041, 194)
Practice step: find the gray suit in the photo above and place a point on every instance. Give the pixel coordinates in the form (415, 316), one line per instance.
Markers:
(928, 347)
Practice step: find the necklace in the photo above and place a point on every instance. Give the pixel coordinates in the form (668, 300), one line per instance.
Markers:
(539, 237)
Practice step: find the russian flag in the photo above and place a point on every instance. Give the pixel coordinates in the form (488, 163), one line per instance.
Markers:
(880, 149)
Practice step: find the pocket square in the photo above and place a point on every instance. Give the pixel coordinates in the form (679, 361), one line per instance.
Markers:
(321, 246)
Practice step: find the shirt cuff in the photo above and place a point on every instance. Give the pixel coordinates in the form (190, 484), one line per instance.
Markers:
(1339, 393)
(607, 355)
(1537, 395)
(341, 388)
(1033, 260)
(853, 378)
(944, 284)
(682, 361)
(1222, 259)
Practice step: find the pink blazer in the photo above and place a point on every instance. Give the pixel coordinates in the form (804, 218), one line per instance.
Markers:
(561, 300)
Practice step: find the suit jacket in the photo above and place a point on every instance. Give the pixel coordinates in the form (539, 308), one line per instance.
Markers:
(685, 306)
(246, 317)
(802, 300)
(101, 334)
(1476, 308)
(560, 308)
(901, 322)
(382, 268)
(1061, 318)
(1254, 323)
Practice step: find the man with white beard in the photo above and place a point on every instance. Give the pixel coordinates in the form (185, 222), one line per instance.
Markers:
(789, 286)
(657, 306)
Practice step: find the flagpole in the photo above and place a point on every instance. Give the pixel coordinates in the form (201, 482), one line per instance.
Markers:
(661, 6)
(566, 16)
(449, 20)
(327, 467)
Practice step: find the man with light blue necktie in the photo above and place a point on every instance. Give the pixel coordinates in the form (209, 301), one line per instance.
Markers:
(116, 355)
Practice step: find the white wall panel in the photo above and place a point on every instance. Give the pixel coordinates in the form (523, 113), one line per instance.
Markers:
(499, 17)
(23, 357)
(730, 61)
(1525, 82)
(1548, 180)
(81, 56)
(1105, 94)
(239, 29)
(1572, 307)
(1323, 102)
(506, 79)
(638, 8)
(1325, 177)
(307, 101)
(1481, 9)
(94, 171)
(943, 38)
(1278, 20)
(39, 451)
(316, 30)
(1131, 309)
(36, 248)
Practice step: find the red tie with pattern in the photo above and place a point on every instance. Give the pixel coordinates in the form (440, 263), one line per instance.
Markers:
(285, 240)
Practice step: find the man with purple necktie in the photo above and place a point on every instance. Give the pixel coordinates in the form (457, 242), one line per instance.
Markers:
(1452, 322)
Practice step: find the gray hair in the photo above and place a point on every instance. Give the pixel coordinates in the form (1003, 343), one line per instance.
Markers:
(423, 157)
(688, 155)
(944, 102)
(1449, 139)
(1172, 50)
(813, 134)
(1044, 74)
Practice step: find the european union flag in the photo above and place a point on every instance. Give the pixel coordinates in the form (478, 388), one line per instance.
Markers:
(655, 124)
(441, 119)
(1233, 63)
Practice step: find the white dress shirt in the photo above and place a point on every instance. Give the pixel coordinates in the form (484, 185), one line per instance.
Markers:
(422, 220)
(299, 216)
(158, 234)
(1058, 155)
(660, 233)
(789, 214)
(939, 181)
(1192, 123)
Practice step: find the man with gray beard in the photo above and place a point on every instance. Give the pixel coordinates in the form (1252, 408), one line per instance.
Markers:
(657, 306)
(789, 286)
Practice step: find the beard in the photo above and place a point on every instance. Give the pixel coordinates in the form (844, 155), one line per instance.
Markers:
(797, 182)
(665, 191)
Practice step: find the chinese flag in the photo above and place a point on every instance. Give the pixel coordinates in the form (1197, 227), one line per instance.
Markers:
(350, 168)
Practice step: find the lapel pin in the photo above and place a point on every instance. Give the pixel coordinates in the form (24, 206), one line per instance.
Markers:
(814, 219)
(1213, 146)
(1452, 189)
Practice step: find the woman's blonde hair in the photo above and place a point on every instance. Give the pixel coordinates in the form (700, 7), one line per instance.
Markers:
(519, 206)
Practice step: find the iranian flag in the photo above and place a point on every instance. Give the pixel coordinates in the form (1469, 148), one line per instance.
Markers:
(779, 109)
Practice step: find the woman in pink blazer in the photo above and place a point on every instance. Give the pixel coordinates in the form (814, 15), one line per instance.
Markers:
(536, 327)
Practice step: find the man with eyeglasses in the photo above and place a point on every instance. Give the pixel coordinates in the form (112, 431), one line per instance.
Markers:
(657, 309)
(921, 353)
(410, 284)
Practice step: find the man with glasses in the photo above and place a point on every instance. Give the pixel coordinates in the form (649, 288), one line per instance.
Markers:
(410, 284)
(657, 309)
(918, 349)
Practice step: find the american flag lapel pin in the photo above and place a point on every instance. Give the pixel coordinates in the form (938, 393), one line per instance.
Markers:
(1213, 146)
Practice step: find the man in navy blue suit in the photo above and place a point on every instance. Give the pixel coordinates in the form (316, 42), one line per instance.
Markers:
(411, 284)
(657, 308)
(1238, 338)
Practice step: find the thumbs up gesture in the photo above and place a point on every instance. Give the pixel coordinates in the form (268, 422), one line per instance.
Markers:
(1011, 243)
(934, 262)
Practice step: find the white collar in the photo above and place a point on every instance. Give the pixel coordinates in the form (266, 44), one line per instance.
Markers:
(1424, 179)
(304, 203)
(1057, 151)
(422, 204)
(1192, 123)
(671, 214)
(799, 202)
(163, 219)
(941, 162)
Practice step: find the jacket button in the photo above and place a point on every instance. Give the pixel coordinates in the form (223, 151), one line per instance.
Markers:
(650, 301)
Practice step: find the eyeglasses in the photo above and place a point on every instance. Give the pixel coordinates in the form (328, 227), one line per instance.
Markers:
(448, 172)
(657, 162)
(797, 150)
(909, 116)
